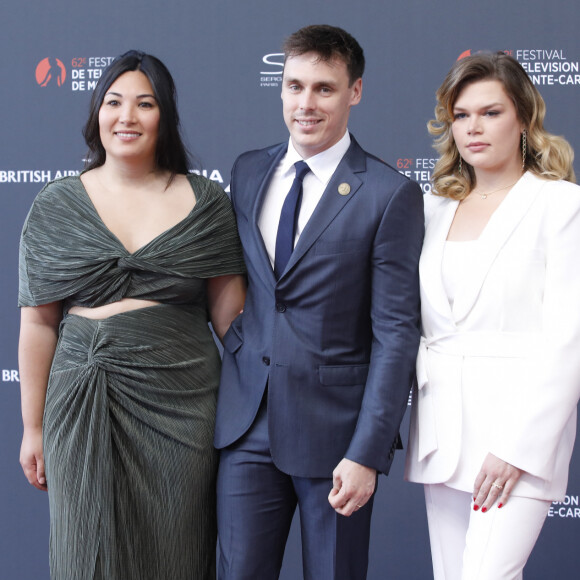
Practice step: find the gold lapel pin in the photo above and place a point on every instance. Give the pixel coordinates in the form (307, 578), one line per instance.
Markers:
(344, 189)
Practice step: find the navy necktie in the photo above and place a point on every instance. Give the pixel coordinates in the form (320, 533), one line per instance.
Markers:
(288, 218)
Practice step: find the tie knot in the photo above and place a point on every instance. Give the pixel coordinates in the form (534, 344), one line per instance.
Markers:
(301, 170)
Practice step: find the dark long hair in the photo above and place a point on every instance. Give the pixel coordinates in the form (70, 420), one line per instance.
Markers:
(170, 154)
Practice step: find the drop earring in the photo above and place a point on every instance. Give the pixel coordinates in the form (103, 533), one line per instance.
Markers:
(524, 148)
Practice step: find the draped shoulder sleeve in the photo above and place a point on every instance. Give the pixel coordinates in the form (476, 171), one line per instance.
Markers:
(215, 249)
(48, 263)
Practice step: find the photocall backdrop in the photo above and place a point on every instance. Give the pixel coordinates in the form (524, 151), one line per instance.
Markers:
(225, 57)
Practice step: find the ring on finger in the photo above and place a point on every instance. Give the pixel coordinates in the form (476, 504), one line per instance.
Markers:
(494, 484)
(358, 506)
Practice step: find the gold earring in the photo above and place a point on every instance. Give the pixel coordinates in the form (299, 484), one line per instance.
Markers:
(524, 148)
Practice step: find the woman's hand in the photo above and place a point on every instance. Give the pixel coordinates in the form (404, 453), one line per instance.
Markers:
(32, 458)
(496, 479)
(38, 338)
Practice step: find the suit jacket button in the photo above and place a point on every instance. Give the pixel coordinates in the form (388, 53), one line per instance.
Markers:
(281, 307)
(266, 360)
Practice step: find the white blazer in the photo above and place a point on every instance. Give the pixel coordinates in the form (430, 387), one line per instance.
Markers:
(500, 371)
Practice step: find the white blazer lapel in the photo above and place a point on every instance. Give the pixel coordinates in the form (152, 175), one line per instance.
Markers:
(495, 235)
(436, 231)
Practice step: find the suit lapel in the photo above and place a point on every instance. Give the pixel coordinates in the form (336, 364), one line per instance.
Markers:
(495, 235)
(331, 202)
(432, 256)
(266, 168)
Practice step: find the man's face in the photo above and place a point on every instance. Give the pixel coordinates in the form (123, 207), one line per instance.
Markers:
(316, 102)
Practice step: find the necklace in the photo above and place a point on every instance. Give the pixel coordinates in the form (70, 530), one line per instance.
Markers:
(485, 195)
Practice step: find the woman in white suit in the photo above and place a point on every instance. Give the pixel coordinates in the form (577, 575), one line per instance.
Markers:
(494, 413)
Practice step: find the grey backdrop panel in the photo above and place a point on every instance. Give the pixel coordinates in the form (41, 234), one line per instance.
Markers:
(224, 56)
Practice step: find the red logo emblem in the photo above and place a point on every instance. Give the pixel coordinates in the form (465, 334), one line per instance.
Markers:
(469, 52)
(50, 70)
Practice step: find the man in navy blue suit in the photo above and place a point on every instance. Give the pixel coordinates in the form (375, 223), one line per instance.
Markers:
(317, 369)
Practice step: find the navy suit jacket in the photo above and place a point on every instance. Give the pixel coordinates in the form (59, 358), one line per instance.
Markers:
(335, 339)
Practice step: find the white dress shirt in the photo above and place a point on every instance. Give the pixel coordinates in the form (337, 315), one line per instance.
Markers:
(322, 167)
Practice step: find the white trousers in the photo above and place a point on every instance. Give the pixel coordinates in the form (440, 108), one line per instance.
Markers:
(471, 545)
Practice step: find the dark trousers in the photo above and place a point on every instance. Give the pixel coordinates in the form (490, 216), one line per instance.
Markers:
(256, 503)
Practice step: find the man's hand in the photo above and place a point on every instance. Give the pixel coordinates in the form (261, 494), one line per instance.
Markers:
(352, 486)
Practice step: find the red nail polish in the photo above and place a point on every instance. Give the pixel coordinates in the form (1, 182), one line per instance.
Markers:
(484, 509)
(475, 507)
(499, 505)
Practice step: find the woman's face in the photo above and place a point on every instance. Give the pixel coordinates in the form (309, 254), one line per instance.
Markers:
(129, 118)
(486, 128)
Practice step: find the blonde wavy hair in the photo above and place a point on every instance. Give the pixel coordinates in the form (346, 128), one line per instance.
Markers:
(547, 156)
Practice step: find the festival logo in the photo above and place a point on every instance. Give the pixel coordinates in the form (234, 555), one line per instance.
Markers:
(418, 169)
(464, 54)
(568, 508)
(544, 66)
(50, 71)
(85, 72)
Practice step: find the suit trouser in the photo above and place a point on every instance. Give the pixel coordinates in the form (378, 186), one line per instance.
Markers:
(256, 503)
(471, 545)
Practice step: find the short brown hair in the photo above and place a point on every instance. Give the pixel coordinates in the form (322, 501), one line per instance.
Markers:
(329, 42)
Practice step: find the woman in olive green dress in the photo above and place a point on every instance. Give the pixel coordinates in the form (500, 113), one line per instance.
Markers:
(120, 270)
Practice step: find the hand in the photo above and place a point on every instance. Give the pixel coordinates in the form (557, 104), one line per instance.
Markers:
(32, 458)
(498, 472)
(352, 486)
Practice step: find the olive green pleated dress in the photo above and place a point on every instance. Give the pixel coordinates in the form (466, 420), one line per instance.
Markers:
(130, 407)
